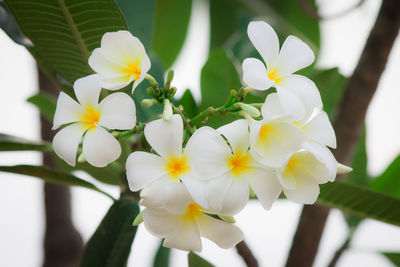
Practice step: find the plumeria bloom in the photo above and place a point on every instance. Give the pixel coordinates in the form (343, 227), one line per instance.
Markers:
(87, 118)
(120, 60)
(229, 170)
(158, 174)
(182, 222)
(298, 94)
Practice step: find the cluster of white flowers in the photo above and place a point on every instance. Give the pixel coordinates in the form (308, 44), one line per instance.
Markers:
(182, 189)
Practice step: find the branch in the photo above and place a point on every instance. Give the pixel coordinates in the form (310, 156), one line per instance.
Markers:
(348, 124)
(246, 254)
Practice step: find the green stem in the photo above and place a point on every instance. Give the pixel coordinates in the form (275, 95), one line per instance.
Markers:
(210, 112)
(137, 129)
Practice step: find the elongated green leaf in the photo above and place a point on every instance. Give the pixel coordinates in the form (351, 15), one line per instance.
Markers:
(394, 257)
(51, 176)
(189, 104)
(10, 26)
(171, 22)
(64, 32)
(110, 245)
(161, 258)
(222, 20)
(218, 77)
(197, 261)
(331, 85)
(139, 16)
(14, 143)
(45, 103)
(389, 180)
(360, 201)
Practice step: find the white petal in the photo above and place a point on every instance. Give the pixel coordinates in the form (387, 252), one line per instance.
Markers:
(143, 168)
(272, 109)
(282, 140)
(152, 194)
(236, 197)
(320, 130)
(118, 111)
(165, 137)
(323, 155)
(106, 67)
(67, 111)
(305, 193)
(196, 189)
(306, 90)
(208, 153)
(265, 185)
(176, 198)
(291, 103)
(224, 234)
(265, 40)
(187, 237)
(116, 83)
(145, 66)
(100, 147)
(255, 74)
(237, 134)
(159, 222)
(294, 55)
(216, 191)
(122, 46)
(66, 142)
(87, 90)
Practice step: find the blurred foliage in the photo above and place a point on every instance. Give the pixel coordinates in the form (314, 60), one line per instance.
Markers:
(161, 259)
(197, 261)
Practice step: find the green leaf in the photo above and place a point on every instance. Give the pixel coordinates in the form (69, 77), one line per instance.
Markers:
(218, 77)
(331, 85)
(359, 175)
(162, 256)
(197, 261)
(222, 22)
(64, 33)
(389, 181)
(14, 143)
(360, 201)
(189, 104)
(51, 176)
(45, 103)
(110, 245)
(394, 257)
(139, 16)
(170, 27)
(11, 28)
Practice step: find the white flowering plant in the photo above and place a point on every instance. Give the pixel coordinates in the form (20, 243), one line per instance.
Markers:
(184, 169)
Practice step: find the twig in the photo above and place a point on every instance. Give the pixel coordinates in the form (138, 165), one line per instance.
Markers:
(348, 124)
(246, 254)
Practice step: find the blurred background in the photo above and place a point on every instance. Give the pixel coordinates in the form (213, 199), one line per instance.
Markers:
(268, 233)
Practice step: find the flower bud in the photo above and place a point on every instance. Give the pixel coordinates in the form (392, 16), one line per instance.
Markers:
(167, 113)
(146, 103)
(81, 158)
(138, 220)
(249, 109)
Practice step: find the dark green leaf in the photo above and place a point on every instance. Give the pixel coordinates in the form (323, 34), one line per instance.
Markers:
(65, 32)
(222, 22)
(139, 16)
(331, 85)
(218, 77)
(359, 175)
(51, 176)
(189, 104)
(360, 201)
(394, 257)
(45, 103)
(197, 261)
(170, 28)
(161, 258)
(11, 28)
(389, 181)
(111, 244)
(13, 143)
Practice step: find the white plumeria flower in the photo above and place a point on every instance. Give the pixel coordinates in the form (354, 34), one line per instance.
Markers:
(182, 222)
(86, 118)
(298, 94)
(159, 174)
(230, 170)
(120, 60)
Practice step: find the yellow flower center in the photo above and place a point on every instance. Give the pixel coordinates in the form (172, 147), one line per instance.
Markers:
(265, 131)
(273, 75)
(132, 68)
(239, 163)
(177, 166)
(193, 211)
(292, 164)
(91, 117)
